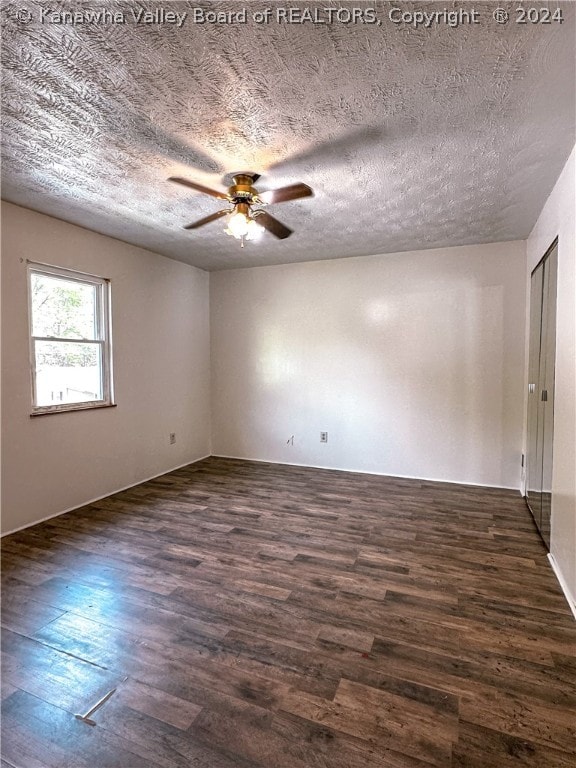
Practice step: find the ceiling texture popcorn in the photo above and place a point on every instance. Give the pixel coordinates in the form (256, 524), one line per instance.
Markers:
(414, 132)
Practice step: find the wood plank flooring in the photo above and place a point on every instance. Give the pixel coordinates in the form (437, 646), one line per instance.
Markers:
(255, 615)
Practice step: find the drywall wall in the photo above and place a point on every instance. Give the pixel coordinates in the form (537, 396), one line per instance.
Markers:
(558, 220)
(413, 363)
(161, 373)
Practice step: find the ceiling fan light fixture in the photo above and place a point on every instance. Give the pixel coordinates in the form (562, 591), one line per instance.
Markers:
(241, 225)
(237, 225)
(254, 230)
(237, 222)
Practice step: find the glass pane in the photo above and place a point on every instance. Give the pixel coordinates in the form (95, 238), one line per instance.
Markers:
(63, 308)
(68, 373)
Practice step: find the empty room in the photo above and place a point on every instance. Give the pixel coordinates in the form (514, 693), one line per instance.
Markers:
(288, 384)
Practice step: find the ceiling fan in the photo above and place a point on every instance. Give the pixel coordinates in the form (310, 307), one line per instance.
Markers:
(244, 221)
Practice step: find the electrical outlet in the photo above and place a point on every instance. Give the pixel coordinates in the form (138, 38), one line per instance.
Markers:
(172, 438)
(323, 437)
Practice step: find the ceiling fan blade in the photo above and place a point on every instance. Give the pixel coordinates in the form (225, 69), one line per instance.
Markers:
(282, 195)
(274, 226)
(207, 219)
(199, 188)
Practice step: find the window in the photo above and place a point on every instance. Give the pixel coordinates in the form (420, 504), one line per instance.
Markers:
(70, 340)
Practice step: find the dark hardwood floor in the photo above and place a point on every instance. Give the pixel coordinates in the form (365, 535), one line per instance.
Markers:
(260, 615)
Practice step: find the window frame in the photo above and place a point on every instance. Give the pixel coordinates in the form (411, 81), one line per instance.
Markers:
(103, 323)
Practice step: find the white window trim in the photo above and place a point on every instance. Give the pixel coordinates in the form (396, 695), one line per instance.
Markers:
(103, 317)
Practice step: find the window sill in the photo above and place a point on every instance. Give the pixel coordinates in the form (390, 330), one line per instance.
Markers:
(68, 409)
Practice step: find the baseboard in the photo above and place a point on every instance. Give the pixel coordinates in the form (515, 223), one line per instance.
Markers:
(366, 472)
(104, 496)
(280, 463)
(563, 586)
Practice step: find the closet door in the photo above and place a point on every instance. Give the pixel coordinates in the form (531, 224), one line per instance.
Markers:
(547, 363)
(542, 354)
(534, 445)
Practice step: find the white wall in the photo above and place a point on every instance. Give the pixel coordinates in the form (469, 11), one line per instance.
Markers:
(161, 373)
(558, 220)
(412, 362)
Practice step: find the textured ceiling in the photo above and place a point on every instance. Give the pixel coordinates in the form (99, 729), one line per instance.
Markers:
(411, 137)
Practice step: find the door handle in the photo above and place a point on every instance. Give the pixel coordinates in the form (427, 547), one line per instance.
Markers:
(531, 388)
(544, 396)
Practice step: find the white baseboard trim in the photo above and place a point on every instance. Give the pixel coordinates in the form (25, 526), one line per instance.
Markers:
(280, 463)
(104, 496)
(565, 588)
(366, 472)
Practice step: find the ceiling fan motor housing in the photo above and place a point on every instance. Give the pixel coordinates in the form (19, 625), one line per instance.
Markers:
(242, 189)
